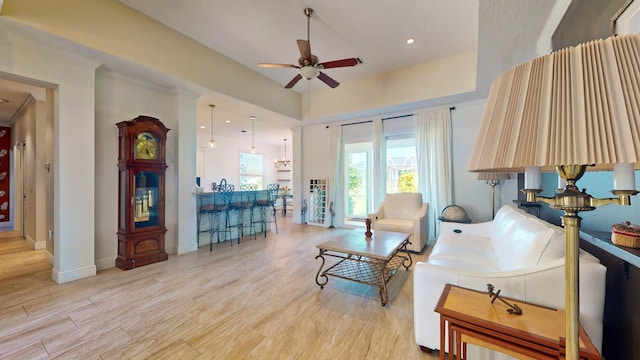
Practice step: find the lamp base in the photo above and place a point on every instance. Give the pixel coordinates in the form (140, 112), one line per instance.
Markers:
(571, 201)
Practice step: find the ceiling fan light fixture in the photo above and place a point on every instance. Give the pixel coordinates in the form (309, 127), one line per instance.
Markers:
(309, 66)
(309, 72)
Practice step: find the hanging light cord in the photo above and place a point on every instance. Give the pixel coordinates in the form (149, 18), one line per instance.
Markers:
(212, 143)
(253, 147)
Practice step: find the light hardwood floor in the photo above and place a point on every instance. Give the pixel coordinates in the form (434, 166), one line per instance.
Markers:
(255, 300)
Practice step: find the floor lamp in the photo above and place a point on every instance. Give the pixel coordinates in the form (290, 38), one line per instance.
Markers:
(573, 110)
(493, 179)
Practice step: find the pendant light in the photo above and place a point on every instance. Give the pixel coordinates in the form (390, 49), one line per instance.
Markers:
(212, 143)
(253, 147)
(284, 162)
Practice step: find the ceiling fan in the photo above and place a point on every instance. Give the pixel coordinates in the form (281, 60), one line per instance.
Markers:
(309, 66)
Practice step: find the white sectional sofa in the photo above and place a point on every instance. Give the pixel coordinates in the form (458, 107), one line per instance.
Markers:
(519, 254)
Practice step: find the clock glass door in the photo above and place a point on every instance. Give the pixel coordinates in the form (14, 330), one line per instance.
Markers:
(145, 211)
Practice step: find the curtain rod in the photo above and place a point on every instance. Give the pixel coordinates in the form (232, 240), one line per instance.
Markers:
(388, 118)
(356, 123)
(407, 115)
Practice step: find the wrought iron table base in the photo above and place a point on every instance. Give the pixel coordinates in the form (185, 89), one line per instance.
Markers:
(364, 270)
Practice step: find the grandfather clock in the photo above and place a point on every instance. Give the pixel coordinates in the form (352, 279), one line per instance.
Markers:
(141, 192)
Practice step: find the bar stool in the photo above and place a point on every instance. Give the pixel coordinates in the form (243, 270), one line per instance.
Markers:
(265, 204)
(220, 212)
(242, 206)
(205, 206)
(249, 204)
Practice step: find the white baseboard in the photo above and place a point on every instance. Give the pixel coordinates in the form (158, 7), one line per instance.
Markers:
(37, 245)
(186, 248)
(107, 263)
(71, 275)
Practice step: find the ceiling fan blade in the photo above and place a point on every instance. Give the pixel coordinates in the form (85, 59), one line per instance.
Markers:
(305, 50)
(339, 63)
(327, 80)
(267, 65)
(293, 81)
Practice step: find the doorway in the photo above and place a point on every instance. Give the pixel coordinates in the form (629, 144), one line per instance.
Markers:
(358, 160)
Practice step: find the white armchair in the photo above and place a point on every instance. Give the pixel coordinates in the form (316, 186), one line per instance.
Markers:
(404, 212)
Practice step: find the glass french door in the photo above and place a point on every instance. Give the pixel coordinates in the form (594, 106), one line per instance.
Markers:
(358, 181)
(402, 170)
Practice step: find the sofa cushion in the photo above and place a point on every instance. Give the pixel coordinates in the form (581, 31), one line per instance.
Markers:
(398, 225)
(464, 257)
(502, 226)
(402, 205)
(555, 247)
(465, 266)
(519, 238)
(465, 241)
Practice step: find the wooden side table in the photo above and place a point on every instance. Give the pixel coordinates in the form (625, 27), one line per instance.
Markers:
(468, 317)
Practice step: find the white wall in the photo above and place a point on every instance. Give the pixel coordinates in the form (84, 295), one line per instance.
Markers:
(314, 153)
(431, 80)
(222, 161)
(472, 194)
(72, 80)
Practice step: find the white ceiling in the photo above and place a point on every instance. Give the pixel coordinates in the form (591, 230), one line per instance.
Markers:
(251, 31)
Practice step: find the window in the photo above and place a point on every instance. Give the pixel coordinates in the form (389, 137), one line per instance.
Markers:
(402, 172)
(364, 180)
(251, 170)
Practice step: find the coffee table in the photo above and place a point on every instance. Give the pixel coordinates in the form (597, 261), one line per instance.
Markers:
(372, 261)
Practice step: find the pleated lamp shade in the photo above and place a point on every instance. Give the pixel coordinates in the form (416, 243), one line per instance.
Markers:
(576, 106)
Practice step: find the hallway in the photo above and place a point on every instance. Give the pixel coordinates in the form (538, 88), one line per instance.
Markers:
(18, 260)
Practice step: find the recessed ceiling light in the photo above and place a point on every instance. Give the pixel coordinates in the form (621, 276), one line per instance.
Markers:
(202, 127)
(228, 121)
(4, 101)
(410, 41)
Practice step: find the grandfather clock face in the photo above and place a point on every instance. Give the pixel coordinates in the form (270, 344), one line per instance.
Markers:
(146, 146)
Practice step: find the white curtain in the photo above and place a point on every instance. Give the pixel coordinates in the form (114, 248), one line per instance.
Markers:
(379, 163)
(335, 198)
(433, 146)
